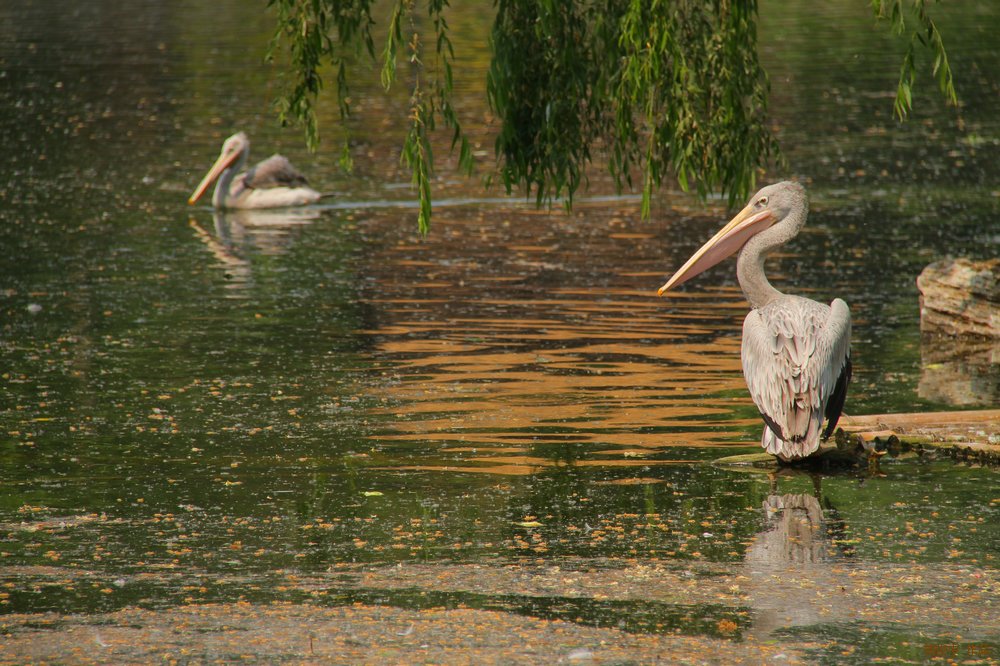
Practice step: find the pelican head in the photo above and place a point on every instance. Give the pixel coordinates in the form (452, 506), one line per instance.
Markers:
(234, 152)
(771, 206)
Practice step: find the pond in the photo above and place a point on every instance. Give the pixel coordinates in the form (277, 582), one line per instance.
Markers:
(294, 422)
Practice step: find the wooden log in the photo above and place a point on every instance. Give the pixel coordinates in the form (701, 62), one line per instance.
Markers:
(964, 436)
(960, 297)
(977, 429)
(983, 418)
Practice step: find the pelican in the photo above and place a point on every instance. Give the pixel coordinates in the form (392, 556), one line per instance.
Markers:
(796, 352)
(273, 183)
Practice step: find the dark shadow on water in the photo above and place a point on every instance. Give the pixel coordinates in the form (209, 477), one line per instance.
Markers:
(633, 616)
(853, 643)
(644, 617)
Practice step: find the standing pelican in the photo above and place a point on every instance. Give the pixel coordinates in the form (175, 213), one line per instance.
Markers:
(273, 183)
(796, 352)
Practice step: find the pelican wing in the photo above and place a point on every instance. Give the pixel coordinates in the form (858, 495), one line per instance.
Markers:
(275, 171)
(796, 361)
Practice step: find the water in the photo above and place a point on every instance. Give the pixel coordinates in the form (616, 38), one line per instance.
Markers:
(324, 408)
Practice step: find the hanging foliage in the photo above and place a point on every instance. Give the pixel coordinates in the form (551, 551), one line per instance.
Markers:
(663, 88)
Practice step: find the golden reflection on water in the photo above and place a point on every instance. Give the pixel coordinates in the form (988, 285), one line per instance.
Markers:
(504, 336)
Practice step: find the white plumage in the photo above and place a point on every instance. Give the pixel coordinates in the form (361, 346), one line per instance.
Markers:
(796, 352)
(272, 183)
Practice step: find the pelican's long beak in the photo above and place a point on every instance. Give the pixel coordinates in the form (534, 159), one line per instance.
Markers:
(225, 161)
(728, 241)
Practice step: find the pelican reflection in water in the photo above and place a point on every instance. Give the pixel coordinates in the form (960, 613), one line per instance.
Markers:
(241, 236)
(796, 352)
(793, 577)
(273, 183)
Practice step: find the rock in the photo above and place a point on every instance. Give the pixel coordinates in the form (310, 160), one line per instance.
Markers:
(959, 297)
(960, 322)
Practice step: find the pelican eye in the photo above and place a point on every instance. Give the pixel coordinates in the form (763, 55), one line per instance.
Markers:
(762, 201)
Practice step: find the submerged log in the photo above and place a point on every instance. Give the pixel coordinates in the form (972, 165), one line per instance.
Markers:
(978, 428)
(960, 297)
(862, 441)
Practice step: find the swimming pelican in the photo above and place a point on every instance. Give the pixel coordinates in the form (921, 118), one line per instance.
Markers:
(273, 183)
(796, 352)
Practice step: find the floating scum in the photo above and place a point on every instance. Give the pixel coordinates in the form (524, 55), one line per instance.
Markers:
(796, 352)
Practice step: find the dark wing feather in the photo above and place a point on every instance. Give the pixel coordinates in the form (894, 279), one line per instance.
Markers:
(835, 407)
(275, 171)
